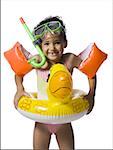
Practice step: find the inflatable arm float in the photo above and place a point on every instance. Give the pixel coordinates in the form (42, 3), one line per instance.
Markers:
(92, 58)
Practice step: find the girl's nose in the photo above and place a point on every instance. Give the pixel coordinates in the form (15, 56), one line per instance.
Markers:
(51, 46)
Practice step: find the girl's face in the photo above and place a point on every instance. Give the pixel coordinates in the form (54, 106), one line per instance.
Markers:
(52, 46)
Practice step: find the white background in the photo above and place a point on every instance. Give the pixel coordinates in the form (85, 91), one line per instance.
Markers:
(86, 22)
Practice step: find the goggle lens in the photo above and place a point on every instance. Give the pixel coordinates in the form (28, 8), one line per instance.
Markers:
(40, 30)
(53, 25)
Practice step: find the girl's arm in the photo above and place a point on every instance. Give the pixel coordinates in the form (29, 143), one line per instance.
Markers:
(20, 89)
(92, 86)
(91, 95)
(19, 83)
(75, 61)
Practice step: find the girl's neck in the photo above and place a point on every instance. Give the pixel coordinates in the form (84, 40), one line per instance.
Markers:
(54, 62)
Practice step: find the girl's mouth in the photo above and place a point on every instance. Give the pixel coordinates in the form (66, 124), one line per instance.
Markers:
(53, 53)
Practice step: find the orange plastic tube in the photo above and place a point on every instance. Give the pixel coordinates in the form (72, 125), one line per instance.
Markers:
(17, 60)
(95, 58)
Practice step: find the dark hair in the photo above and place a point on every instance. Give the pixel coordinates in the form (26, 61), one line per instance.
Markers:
(56, 18)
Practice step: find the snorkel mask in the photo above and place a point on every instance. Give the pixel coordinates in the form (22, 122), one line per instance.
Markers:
(52, 27)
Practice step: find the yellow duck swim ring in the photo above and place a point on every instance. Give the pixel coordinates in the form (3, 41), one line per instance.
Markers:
(63, 105)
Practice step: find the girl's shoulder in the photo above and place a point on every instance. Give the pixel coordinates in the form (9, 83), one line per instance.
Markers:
(71, 60)
(69, 57)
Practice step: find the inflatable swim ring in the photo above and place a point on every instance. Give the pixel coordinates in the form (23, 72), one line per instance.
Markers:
(63, 105)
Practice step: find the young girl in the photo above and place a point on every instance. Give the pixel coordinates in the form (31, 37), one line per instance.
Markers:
(52, 40)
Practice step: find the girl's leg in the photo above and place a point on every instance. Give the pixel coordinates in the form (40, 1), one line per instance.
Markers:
(41, 137)
(65, 137)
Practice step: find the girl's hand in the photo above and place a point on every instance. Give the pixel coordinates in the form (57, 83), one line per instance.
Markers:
(90, 99)
(18, 95)
(38, 59)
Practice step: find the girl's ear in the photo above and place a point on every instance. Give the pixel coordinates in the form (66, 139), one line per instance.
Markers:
(65, 43)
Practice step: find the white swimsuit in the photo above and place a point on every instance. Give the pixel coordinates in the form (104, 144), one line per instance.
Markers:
(42, 77)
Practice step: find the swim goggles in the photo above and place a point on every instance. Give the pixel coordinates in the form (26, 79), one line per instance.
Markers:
(52, 26)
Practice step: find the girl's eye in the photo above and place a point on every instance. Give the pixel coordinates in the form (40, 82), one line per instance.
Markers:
(58, 42)
(46, 43)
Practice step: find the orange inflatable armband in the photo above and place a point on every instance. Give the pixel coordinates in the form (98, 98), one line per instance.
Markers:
(92, 58)
(17, 60)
